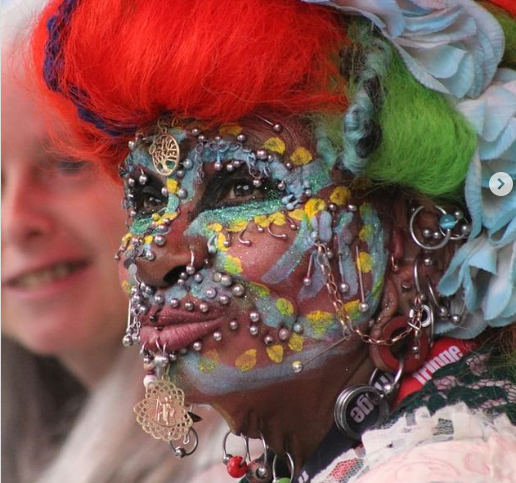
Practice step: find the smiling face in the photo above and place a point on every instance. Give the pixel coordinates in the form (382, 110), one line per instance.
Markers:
(60, 227)
(222, 253)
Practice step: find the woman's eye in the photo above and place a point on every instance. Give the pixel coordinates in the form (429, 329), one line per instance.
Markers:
(150, 200)
(243, 189)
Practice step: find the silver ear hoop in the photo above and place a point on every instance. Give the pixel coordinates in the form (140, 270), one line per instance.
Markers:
(182, 451)
(226, 456)
(290, 462)
(447, 234)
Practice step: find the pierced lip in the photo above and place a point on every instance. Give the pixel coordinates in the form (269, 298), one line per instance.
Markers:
(170, 316)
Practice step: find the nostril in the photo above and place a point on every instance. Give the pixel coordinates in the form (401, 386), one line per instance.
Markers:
(173, 276)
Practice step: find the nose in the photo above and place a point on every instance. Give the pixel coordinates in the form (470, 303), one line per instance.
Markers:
(26, 214)
(176, 256)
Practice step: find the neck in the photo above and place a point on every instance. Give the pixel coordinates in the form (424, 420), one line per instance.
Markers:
(90, 364)
(295, 417)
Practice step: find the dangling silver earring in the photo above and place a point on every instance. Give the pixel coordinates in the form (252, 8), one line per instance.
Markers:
(190, 444)
(290, 462)
(364, 406)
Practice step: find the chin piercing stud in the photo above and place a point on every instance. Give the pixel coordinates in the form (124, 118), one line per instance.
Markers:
(203, 307)
(174, 303)
(254, 330)
(254, 316)
(224, 299)
(226, 280)
(211, 293)
(238, 290)
(283, 334)
(217, 336)
(298, 328)
(197, 346)
(268, 339)
(189, 306)
(233, 325)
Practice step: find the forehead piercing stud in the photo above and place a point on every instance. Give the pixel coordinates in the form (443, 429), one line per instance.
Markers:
(174, 303)
(203, 307)
(217, 336)
(254, 316)
(254, 330)
(197, 346)
(233, 325)
(211, 293)
(189, 306)
(298, 328)
(241, 138)
(307, 281)
(238, 290)
(201, 138)
(276, 126)
(262, 154)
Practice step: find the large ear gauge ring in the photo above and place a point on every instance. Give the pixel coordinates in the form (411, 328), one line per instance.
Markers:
(290, 463)
(363, 406)
(236, 465)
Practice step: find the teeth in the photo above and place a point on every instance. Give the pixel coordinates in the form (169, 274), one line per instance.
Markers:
(42, 277)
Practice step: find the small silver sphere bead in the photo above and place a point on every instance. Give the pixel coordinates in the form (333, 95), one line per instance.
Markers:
(127, 340)
(238, 290)
(226, 280)
(180, 452)
(174, 303)
(182, 193)
(187, 164)
(143, 309)
(195, 131)
(283, 334)
(198, 278)
(352, 208)
(203, 307)
(136, 338)
(227, 243)
(436, 235)
(164, 228)
(233, 325)
(224, 299)
(180, 282)
(343, 287)
(237, 163)
(217, 277)
(254, 316)
(217, 336)
(189, 306)
(190, 269)
(428, 261)
(254, 330)
(160, 240)
(363, 307)
(268, 339)
(465, 229)
(197, 346)
(298, 328)
(332, 207)
(329, 254)
(423, 297)
(241, 138)
(277, 127)
(261, 154)
(281, 186)
(136, 299)
(201, 137)
(164, 191)
(427, 233)
(443, 312)
(159, 299)
(307, 281)
(211, 293)
(458, 214)
(297, 366)
(143, 178)
(172, 357)
(289, 165)
(456, 319)
(180, 173)
(131, 181)
(257, 183)
(161, 360)
(230, 168)
(217, 138)
(218, 166)
(132, 145)
(150, 256)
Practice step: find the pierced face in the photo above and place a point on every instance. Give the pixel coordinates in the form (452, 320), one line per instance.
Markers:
(221, 257)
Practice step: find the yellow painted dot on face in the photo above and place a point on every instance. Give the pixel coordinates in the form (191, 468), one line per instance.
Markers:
(237, 226)
(340, 195)
(277, 219)
(275, 353)
(276, 145)
(230, 128)
(314, 206)
(216, 227)
(366, 233)
(285, 307)
(246, 361)
(262, 221)
(364, 262)
(297, 214)
(352, 309)
(296, 342)
(172, 186)
(233, 265)
(320, 322)
(208, 361)
(148, 239)
(301, 156)
(163, 218)
(126, 287)
(220, 243)
(259, 289)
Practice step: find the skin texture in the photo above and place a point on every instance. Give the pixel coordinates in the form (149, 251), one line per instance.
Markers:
(54, 213)
(245, 233)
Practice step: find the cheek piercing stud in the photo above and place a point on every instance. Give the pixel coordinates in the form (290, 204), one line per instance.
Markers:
(224, 299)
(233, 325)
(283, 334)
(238, 290)
(198, 278)
(254, 330)
(226, 280)
(217, 276)
(254, 316)
(298, 328)
(268, 339)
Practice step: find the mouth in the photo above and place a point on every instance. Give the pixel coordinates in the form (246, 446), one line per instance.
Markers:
(37, 279)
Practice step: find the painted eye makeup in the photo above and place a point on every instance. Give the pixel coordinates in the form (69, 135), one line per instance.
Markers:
(147, 193)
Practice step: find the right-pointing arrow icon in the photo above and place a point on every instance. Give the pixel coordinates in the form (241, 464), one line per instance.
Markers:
(501, 183)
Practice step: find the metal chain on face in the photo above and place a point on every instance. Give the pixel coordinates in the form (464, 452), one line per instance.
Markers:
(341, 313)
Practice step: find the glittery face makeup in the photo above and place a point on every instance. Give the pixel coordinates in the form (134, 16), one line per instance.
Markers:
(220, 256)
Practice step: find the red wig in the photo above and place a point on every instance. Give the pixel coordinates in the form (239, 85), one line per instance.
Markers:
(509, 5)
(113, 66)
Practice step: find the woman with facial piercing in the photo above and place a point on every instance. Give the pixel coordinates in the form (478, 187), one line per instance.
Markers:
(314, 246)
(68, 386)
